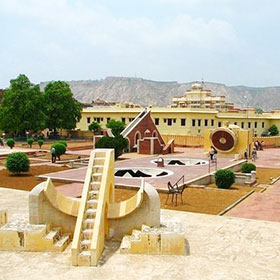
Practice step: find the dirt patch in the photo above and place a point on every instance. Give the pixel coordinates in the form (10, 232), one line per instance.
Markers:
(208, 201)
(28, 180)
(264, 174)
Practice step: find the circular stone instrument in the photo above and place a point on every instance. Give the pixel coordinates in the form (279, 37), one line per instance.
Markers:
(223, 139)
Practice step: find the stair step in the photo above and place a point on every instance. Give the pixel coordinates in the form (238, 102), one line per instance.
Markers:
(88, 223)
(53, 234)
(87, 233)
(126, 243)
(97, 166)
(95, 185)
(90, 213)
(93, 194)
(135, 236)
(97, 174)
(62, 243)
(84, 258)
(92, 202)
(85, 244)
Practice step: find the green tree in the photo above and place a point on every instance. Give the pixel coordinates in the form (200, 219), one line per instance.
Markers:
(61, 109)
(21, 108)
(94, 127)
(30, 142)
(273, 130)
(116, 126)
(117, 143)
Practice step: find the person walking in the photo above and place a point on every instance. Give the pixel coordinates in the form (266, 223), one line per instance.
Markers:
(254, 154)
(53, 155)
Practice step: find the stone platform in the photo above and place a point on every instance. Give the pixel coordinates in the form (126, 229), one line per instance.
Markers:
(217, 248)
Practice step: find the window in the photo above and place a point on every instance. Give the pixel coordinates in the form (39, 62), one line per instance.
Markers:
(130, 119)
(219, 124)
(256, 124)
(97, 120)
(88, 119)
(183, 122)
(123, 120)
(193, 122)
(174, 120)
(102, 119)
(212, 122)
(235, 123)
(164, 120)
(199, 123)
(262, 124)
(205, 122)
(156, 121)
(169, 122)
(249, 125)
(108, 119)
(242, 124)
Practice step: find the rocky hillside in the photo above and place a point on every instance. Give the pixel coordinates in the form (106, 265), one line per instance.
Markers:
(146, 92)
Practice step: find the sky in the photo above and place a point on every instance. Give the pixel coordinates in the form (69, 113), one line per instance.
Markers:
(234, 42)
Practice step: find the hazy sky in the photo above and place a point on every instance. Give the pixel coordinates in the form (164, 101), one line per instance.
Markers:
(235, 42)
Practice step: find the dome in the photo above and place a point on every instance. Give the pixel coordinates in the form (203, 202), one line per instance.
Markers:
(196, 86)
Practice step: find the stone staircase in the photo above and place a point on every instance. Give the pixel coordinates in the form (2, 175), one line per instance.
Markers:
(82, 252)
(165, 240)
(19, 235)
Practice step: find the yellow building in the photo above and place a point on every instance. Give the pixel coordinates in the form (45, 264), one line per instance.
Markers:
(198, 97)
(183, 121)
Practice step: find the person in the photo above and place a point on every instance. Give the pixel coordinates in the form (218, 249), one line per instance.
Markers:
(254, 154)
(256, 145)
(246, 155)
(53, 155)
(211, 153)
(262, 145)
(1, 142)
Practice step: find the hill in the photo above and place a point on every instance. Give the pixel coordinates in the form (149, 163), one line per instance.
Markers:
(147, 92)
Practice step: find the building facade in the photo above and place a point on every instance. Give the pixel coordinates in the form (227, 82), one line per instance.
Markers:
(198, 97)
(184, 121)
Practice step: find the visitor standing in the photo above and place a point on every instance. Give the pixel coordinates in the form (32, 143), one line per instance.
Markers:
(53, 155)
(254, 154)
(211, 153)
(246, 155)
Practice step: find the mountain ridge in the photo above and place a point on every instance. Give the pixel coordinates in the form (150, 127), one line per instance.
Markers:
(160, 93)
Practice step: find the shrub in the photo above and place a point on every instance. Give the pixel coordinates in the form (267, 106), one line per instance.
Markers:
(40, 143)
(94, 126)
(11, 142)
(63, 143)
(273, 130)
(224, 178)
(117, 143)
(60, 149)
(17, 163)
(248, 167)
(30, 142)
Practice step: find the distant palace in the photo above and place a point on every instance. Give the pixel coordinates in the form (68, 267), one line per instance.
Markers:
(189, 115)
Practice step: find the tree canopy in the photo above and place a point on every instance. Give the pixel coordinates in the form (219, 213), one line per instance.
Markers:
(61, 109)
(116, 126)
(21, 107)
(273, 130)
(94, 126)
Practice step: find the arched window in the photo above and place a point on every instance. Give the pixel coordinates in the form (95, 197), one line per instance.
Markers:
(137, 137)
(155, 133)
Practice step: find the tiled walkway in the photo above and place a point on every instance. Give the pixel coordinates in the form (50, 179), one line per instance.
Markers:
(260, 206)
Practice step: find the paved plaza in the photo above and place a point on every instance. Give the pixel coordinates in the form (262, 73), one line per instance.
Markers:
(218, 248)
(189, 172)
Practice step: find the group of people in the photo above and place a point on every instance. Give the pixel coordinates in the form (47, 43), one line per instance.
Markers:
(258, 146)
